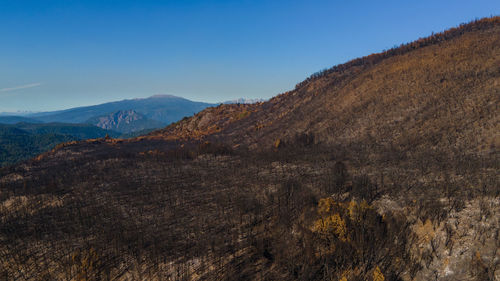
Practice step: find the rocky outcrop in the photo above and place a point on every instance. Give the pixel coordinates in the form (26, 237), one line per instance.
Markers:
(125, 121)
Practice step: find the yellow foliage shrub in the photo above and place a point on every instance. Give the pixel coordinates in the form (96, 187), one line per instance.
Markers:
(325, 205)
(330, 221)
(277, 143)
(345, 274)
(377, 275)
(356, 210)
(331, 224)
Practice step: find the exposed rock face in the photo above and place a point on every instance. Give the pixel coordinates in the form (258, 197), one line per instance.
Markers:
(466, 242)
(125, 121)
(163, 108)
(118, 119)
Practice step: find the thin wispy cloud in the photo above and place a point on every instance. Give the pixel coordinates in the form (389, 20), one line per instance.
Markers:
(20, 87)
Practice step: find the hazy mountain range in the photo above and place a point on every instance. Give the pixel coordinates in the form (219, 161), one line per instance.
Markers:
(164, 109)
(244, 101)
(29, 134)
(138, 114)
(22, 137)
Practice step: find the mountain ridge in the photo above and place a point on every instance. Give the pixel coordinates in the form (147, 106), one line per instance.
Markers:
(376, 171)
(163, 108)
(340, 78)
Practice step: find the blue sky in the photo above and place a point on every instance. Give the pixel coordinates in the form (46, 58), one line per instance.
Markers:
(61, 54)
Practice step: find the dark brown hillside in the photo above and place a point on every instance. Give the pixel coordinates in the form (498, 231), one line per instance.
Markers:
(384, 168)
(440, 92)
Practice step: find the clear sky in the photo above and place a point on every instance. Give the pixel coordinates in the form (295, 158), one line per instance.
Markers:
(61, 54)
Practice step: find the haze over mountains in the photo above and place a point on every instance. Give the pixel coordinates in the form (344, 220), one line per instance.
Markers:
(22, 141)
(158, 111)
(12, 119)
(126, 118)
(382, 168)
(162, 108)
(26, 136)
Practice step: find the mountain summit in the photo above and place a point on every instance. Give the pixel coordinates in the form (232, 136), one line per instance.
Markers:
(163, 108)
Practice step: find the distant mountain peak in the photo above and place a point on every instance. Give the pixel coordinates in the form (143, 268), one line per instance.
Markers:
(244, 101)
(163, 108)
(164, 96)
